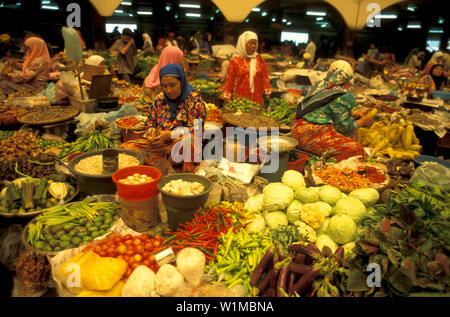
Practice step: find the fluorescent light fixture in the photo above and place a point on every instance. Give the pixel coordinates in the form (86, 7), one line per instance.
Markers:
(118, 11)
(247, 20)
(297, 38)
(167, 8)
(264, 13)
(399, 28)
(45, 2)
(411, 8)
(50, 7)
(109, 27)
(211, 18)
(441, 21)
(125, 3)
(217, 11)
(284, 20)
(413, 26)
(176, 16)
(324, 25)
(319, 18)
(289, 23)
(386, 16)
(273, 19)
(436, 31)
(193, 15)
(187, 5)
(130, 14)
(256, 10)
(144, 13)
(316, 13)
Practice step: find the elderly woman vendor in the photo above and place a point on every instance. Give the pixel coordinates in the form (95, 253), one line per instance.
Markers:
(176, 107)
(324, 120)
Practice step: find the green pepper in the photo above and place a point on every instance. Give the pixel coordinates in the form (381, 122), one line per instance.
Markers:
(87, 239)
(95, 234)
(99, 219)
(55, 229)
(82, 234)
(64, 244)
(64, 237)
(76, 241)
(68, 227)
(92, 228)
(39, 245)
(59, 234)
(54, 243)
(48, 237)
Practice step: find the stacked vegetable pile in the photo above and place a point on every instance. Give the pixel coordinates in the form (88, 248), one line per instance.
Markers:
(242, 104)
(408, 237)
(41, 166)
(395, 139)
(144, 65)
(30, 194)
(22, 143)
(281, 110)
(92, 141)
(6, 134)
(213, 114)
(206, 87)
(71, 225)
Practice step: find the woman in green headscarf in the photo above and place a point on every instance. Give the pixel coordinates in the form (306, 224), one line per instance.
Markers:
(324, 120)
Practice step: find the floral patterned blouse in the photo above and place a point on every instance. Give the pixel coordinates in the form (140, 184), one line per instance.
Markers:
(193, 107)
(35, 74)
(238, 76)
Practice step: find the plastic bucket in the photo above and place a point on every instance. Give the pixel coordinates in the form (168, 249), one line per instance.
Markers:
(140, 215)
(299, 164)
(177, 217)
(140, 191)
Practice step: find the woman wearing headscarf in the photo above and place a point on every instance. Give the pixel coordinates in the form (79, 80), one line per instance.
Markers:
(178, 106)
(148, 44)
(324, 120)
(171, 41)
(62, 86)
(415, 61)
(247, 74)
(436, 80)
(35, 67)
(437, 58)
(169, 55)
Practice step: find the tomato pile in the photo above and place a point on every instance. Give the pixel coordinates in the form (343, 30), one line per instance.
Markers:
(135, 250)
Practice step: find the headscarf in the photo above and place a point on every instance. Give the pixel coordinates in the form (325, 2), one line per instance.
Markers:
(94, 60)
(438, 80)
(38, 49)
(169, 55)
(435, 56)
(175, 70)
(242, 51)
(147, 39)
(413, 52)
(339, 77)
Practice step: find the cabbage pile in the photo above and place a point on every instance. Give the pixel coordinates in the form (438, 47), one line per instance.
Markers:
(323, 215)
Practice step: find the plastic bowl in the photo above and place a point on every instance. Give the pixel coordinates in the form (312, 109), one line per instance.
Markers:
(185, 202)
(140, 191)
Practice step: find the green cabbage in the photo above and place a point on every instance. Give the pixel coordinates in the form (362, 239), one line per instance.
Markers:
(256, 224)
(293, 179)
(293, 211)
(325, 240)
(368, 196)
(341, 228)
(329, 194)
(276, 219)
(324, 227)
(352, 207)
(324, 207)
(307, 195)
(277, 196)
(254, 204)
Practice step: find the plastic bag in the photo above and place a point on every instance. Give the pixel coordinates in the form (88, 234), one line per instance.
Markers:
(11, 245)
(432, 174)
(50, 93)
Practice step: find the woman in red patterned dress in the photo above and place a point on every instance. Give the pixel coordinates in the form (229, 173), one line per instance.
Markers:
(247, 74)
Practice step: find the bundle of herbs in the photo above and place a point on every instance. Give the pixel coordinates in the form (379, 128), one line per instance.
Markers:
(409, 238)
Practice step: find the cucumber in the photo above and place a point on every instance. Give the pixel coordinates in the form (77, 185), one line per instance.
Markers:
(64, 237)
(57, 249)
(99, 219)
(98, 224)
(59, 234)
(95, 234)
(92, 228)
(82, 234)
(48, 237)
(104, 227)
(76, 241)
(108, 215)
(55, 229)
(64, 244)
(54, 243)
(39, 245)
(68, 227)
(87, 239)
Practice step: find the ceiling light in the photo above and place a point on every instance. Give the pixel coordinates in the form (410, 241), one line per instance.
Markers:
(193, 15)
(118, 11)
(50, 7)
(284, 20)
(44, 2)
(411, 8)
(247, 20)
(441, 21)
(319, 18)
(316, 13)
(436, 31)
(167, 8)
(264, 13)
(187, 5)
(256, 10)
(273, 19)
(386, 16)
(413, 26)
(125, 3)
(323, 25)
(399, 28)
(289, 23)
(217, 11)
(144, 13)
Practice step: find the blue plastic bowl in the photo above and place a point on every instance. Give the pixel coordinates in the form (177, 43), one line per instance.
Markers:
(444, 95)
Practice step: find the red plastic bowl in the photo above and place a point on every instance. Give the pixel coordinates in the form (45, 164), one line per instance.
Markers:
(300, 164)
(140, 191)
(71, 156)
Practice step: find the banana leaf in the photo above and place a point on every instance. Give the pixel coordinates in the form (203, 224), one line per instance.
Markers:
(74, 49)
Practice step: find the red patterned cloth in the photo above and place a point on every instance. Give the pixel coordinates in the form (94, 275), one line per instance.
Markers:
(318, 138)
(237, 80)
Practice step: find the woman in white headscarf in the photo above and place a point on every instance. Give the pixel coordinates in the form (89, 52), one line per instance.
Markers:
(247, 74)
(148, 44)
(437, 58)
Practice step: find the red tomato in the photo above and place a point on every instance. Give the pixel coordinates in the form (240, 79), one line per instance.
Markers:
(120, 257)
(128, 237)
(128, 242)
(122, 249)
(137, 258)
(135, 265)
(127, 258)
(139, 248)
(156, 243)
(102, 253)
(137, 241)
(97, 249)
(144, 237)
(157, 237)
(111, 252)
(151, 258)
(148, 246)
(129, 271)
(116, 238)
(87, 249)
(145, 255)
